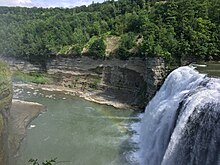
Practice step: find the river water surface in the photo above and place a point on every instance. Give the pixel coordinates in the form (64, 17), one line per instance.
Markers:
(211, 69)
(77, 132)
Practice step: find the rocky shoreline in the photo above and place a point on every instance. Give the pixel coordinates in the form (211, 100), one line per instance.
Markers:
(121, 83)
(124, 84)
(23, 112)
(94, 96)
(21, 115)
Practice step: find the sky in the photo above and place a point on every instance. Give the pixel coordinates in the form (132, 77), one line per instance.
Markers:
(47, 3)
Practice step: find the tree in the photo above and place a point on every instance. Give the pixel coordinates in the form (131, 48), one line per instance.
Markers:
(180, 29)
(97, 48)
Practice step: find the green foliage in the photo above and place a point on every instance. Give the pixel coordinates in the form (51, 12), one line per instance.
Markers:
(38, 78)
(128, 40)
(97, 48)
(174, 30)
(47, 162)
(75, 49)
(122, 53)
(94, 84)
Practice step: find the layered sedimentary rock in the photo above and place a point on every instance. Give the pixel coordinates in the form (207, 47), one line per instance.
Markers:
(132, 82)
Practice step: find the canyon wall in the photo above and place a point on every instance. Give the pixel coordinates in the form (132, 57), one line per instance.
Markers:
(5, 104)
(132, 82)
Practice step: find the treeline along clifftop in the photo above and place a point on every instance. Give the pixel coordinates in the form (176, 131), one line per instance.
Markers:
(172, 29)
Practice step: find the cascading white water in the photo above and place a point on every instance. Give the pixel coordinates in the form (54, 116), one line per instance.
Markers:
(181, 124)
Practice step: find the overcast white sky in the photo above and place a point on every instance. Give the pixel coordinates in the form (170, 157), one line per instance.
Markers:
(47, 3)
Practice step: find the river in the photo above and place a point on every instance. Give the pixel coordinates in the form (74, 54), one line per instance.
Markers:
(76, 131)
(211, 69)
(79, 132)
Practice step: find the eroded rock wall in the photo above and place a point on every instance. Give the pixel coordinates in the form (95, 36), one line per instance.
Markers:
(5, 104)
(133, 81)
(154, 76)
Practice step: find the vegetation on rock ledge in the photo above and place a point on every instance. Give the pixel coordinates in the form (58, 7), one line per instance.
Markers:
(38, 78)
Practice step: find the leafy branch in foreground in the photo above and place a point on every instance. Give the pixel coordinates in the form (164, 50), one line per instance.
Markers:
(47, 162)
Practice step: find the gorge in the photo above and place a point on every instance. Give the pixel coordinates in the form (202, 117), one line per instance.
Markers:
(182, 120)
(15, 116)
(122, 83)
(83, 76)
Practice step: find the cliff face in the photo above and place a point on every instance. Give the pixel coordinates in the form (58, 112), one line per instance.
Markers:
(5, 104)
(132, 82)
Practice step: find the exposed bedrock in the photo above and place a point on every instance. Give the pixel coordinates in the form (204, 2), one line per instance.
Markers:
(132, 82)
(5, 104)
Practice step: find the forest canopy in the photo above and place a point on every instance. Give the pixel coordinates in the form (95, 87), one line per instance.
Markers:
(172, 29)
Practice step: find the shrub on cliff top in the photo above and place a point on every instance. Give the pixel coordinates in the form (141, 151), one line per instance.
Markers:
(97, 48)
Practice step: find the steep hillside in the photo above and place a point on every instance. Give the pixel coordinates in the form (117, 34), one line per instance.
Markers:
(175, 30)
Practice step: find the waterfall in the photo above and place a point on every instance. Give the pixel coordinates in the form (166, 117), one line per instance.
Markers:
(181, 124)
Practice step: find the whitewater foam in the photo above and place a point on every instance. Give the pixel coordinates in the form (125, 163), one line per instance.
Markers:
(167, 129)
